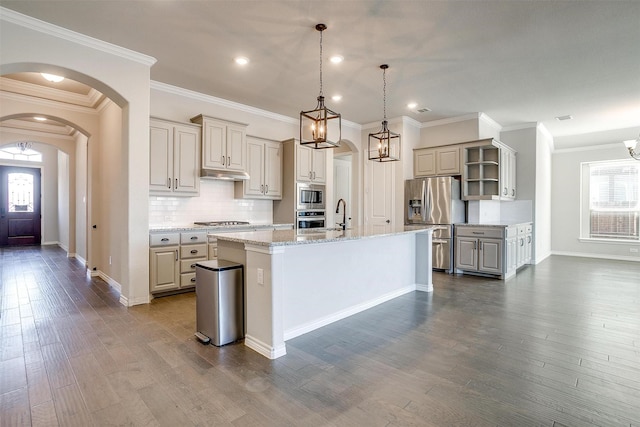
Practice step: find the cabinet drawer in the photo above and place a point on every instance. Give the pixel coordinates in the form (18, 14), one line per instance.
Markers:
(193, 237)
(189, 265)
(493, 232)
(187, 280)
(193, 251)
(164, 239)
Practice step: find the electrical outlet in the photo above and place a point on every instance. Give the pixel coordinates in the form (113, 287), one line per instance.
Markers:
(260, 276)
(634, 250)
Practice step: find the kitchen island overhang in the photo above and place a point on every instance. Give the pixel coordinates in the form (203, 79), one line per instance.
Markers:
(297, 281)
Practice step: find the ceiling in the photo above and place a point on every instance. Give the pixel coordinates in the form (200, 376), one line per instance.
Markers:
(519, 62)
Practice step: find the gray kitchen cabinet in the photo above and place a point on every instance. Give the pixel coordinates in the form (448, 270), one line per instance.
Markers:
(264, 165)
(311, 164)
(172, 259)
(164, 269)
(489, 170)
(497, 250)
(224, 144)
(174, 158)
(437, 161)
(193, 248)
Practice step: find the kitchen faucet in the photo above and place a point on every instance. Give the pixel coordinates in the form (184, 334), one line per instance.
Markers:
(344, 213)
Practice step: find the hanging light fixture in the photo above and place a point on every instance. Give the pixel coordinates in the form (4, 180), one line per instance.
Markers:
(314, 124)
(24, 145)
(633, 145)
(384, 146)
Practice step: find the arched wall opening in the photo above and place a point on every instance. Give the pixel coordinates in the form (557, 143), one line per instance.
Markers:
(347, 176)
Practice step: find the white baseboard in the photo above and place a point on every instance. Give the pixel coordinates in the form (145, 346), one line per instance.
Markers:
(50, 243)
(424, 288)
(264, 349)
(323, 321)
(541, 258)
(599, 256)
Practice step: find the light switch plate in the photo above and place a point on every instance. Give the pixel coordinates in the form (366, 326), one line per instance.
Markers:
(260, 276)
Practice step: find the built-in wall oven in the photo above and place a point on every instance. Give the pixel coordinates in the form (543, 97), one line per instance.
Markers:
(310, 196)
(310, 219)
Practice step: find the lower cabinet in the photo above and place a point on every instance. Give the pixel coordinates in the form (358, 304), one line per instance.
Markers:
(164, 274)
(495, 250)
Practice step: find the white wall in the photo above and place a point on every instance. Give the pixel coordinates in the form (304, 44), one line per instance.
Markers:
(543, 195)
(62, 179)
(81, 195)
(565, 204)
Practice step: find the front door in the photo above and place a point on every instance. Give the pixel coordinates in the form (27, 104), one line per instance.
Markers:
(19, 206)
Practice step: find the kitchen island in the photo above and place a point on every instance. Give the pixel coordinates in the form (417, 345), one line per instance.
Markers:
(297, 281)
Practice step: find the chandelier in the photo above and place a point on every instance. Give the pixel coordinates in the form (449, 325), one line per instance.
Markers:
(633, 145)
(314, 124)
(384, 145)
(24, 145)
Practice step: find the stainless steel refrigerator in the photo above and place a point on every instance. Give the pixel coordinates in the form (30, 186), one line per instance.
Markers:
(436, 201)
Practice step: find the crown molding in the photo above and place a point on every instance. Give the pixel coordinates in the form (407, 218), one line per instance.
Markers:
(521, 126)
(488, 120)
(46, 102)
(34, 134)
(104, 104)
(197, 96)
(13, 17)
(38, 91)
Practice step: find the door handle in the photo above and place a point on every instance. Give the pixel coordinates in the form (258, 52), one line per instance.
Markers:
(262, 189)
(168, 182)
(176, 187)
(224, 161)
(228, 160)
(266, 189)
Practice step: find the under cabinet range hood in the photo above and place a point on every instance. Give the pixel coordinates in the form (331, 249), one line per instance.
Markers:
(222, 174)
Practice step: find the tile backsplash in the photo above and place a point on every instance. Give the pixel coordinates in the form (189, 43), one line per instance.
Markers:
(216, 202)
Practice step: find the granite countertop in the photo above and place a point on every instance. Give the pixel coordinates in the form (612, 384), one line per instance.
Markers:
(307, 236)
(218, 228)
(492, 224)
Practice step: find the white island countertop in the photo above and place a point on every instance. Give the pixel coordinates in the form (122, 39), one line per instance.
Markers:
(308, 236)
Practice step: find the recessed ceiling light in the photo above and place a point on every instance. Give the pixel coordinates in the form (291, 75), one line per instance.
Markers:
(241, 60)
(412, 105)
(336, 59)
(52, 77)
(567, 117)
(40, 118)
(336, 97)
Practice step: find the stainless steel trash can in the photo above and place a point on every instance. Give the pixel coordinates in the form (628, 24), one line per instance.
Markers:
(219, 301)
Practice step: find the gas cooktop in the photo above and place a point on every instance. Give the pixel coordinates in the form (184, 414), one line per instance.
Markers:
(219, 223)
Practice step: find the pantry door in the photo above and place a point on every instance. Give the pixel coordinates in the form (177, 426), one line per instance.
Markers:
(19, 206)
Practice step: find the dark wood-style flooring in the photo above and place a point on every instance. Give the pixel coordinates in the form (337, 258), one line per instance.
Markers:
(558, 345)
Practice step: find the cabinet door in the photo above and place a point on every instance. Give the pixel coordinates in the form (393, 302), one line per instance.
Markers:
(160, 158)
(512, 174)
(448, 161)
(490, 256)
(424, 162)
(303, 163)
(273, 170)
(254, 186)
(319, 166)
(507, 174)
(186, 165)
(466, 255)
(529, 248)
(214, 146)
(164, 271)
(236, 148)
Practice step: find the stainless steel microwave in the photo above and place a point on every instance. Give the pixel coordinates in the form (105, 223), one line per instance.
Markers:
(310, 196)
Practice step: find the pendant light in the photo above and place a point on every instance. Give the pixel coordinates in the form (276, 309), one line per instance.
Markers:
(384, 145)
(633, 145)
(314, 124)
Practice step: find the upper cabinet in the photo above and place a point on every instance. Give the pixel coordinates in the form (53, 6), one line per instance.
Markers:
(264, 165)
(311, 164)
(438, 161)
(174, 153)
(489, 171)
(224, 144)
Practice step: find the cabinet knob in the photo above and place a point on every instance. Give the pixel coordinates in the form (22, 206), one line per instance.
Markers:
(193, 279)
(194, 251)
(193, 266)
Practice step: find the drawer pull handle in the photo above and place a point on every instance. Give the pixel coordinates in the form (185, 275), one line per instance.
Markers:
(193, 266)
(477, 232)
(193, 279)
(164, 239)
(194, 251)
(194, 237)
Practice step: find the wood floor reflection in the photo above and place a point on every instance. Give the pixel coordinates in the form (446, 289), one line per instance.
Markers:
(557, 345)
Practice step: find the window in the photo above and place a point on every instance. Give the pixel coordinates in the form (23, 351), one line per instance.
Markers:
(612, 208)
(20, 192)
(14, 153)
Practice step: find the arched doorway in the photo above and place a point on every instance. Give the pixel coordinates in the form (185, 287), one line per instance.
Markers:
(346, 180)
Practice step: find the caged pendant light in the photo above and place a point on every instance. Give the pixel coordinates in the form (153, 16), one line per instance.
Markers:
(314, 124)
(384, 145)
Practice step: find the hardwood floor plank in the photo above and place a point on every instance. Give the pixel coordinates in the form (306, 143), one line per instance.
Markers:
(44, 415)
